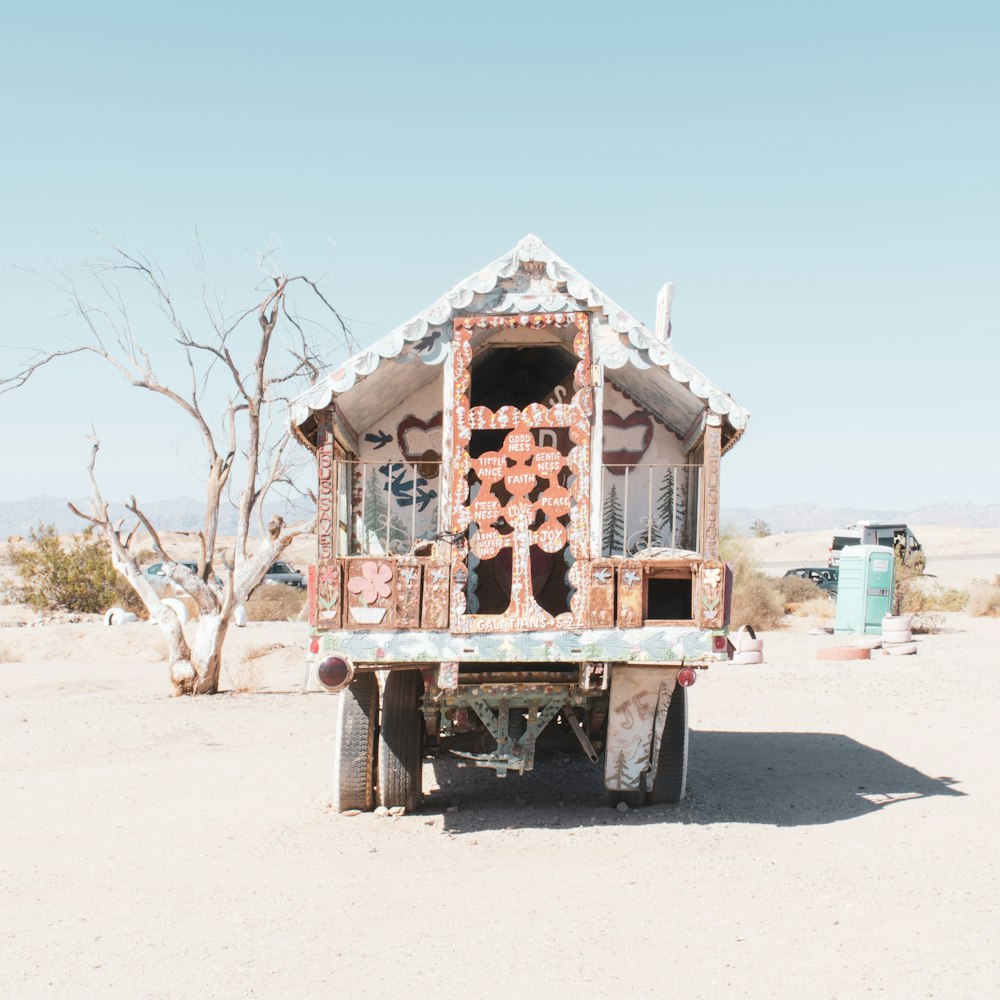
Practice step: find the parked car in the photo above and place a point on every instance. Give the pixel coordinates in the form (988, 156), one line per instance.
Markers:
(281, 572)
(157, 573)
(825, 577)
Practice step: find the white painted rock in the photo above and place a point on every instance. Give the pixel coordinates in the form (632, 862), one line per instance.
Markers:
(240, 616)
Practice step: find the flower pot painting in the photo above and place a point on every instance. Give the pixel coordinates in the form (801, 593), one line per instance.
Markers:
(370, 589)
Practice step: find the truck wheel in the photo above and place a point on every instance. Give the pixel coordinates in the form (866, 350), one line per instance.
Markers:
(399, 741)
(357, 730)
(670, 782)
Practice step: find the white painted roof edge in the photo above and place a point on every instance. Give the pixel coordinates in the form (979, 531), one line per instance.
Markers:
(529, 249)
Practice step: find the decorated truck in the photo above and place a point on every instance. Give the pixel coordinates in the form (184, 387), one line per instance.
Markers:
(518, 536)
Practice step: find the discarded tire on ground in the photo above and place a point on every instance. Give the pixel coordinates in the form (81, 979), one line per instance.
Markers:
(747, 641)
(895, 640)
(897, 621)
(178, 608)
(899, 648)
(844, 653)
(896, 624)
(896, 628)
(756, 656)
(116, 616)
(867, 641)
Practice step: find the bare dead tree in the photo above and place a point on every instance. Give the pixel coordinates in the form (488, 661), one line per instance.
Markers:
(249, 440)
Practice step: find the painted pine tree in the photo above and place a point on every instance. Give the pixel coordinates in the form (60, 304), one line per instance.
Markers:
(375, 511)
(680, 508)
(379, 504)
(665, 509)
(613, 529)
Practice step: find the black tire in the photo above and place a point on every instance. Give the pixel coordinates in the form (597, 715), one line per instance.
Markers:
(357, 732)
(670, 782)
(399, 743)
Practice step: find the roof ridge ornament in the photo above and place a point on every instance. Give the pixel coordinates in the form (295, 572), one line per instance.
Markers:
(664, 300)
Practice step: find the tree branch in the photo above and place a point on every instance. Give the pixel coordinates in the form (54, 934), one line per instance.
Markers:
(150, 530)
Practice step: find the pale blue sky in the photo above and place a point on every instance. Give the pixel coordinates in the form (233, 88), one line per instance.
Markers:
(820, 182)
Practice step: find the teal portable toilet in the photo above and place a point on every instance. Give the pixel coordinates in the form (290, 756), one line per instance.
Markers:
(864, 588)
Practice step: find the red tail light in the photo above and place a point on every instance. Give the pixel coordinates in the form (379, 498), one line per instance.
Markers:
(314, 646)
(719, 643)
(687, 676)
(335, 673)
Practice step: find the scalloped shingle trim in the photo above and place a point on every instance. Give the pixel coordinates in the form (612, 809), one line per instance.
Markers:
(642, 350)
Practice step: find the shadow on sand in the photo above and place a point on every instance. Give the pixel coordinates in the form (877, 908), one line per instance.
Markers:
(777, 779)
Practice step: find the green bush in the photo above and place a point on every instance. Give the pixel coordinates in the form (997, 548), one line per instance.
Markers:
(80, 578)
(757, 600)
(922, 596)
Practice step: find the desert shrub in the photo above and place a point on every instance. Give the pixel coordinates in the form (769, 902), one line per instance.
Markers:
(908, 579)
(757, 601)
(821, 608)
(6, 656)
(795, 590)
(276, 602)
(923, 596)
(245, 673)
(80, 578)
(984, 598)
(926, 623)
(739, 552)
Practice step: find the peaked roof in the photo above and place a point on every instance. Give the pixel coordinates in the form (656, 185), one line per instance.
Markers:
(621, 343)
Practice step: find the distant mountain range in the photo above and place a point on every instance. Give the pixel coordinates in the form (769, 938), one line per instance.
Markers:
(810, 517)
(18, 517)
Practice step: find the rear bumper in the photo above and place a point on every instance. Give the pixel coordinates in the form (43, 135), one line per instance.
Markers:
(660, 644)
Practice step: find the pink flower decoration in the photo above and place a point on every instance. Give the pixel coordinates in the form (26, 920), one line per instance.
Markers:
(328, 574)
(373, 582)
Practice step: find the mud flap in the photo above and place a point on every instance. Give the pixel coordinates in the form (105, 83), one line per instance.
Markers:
(640, 697)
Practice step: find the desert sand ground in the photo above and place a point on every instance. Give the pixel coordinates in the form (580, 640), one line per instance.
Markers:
(838, 840)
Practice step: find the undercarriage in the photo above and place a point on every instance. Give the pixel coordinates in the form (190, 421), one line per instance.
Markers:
(633, 719)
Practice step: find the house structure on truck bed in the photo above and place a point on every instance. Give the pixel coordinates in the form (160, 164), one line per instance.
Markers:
(518, 520)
